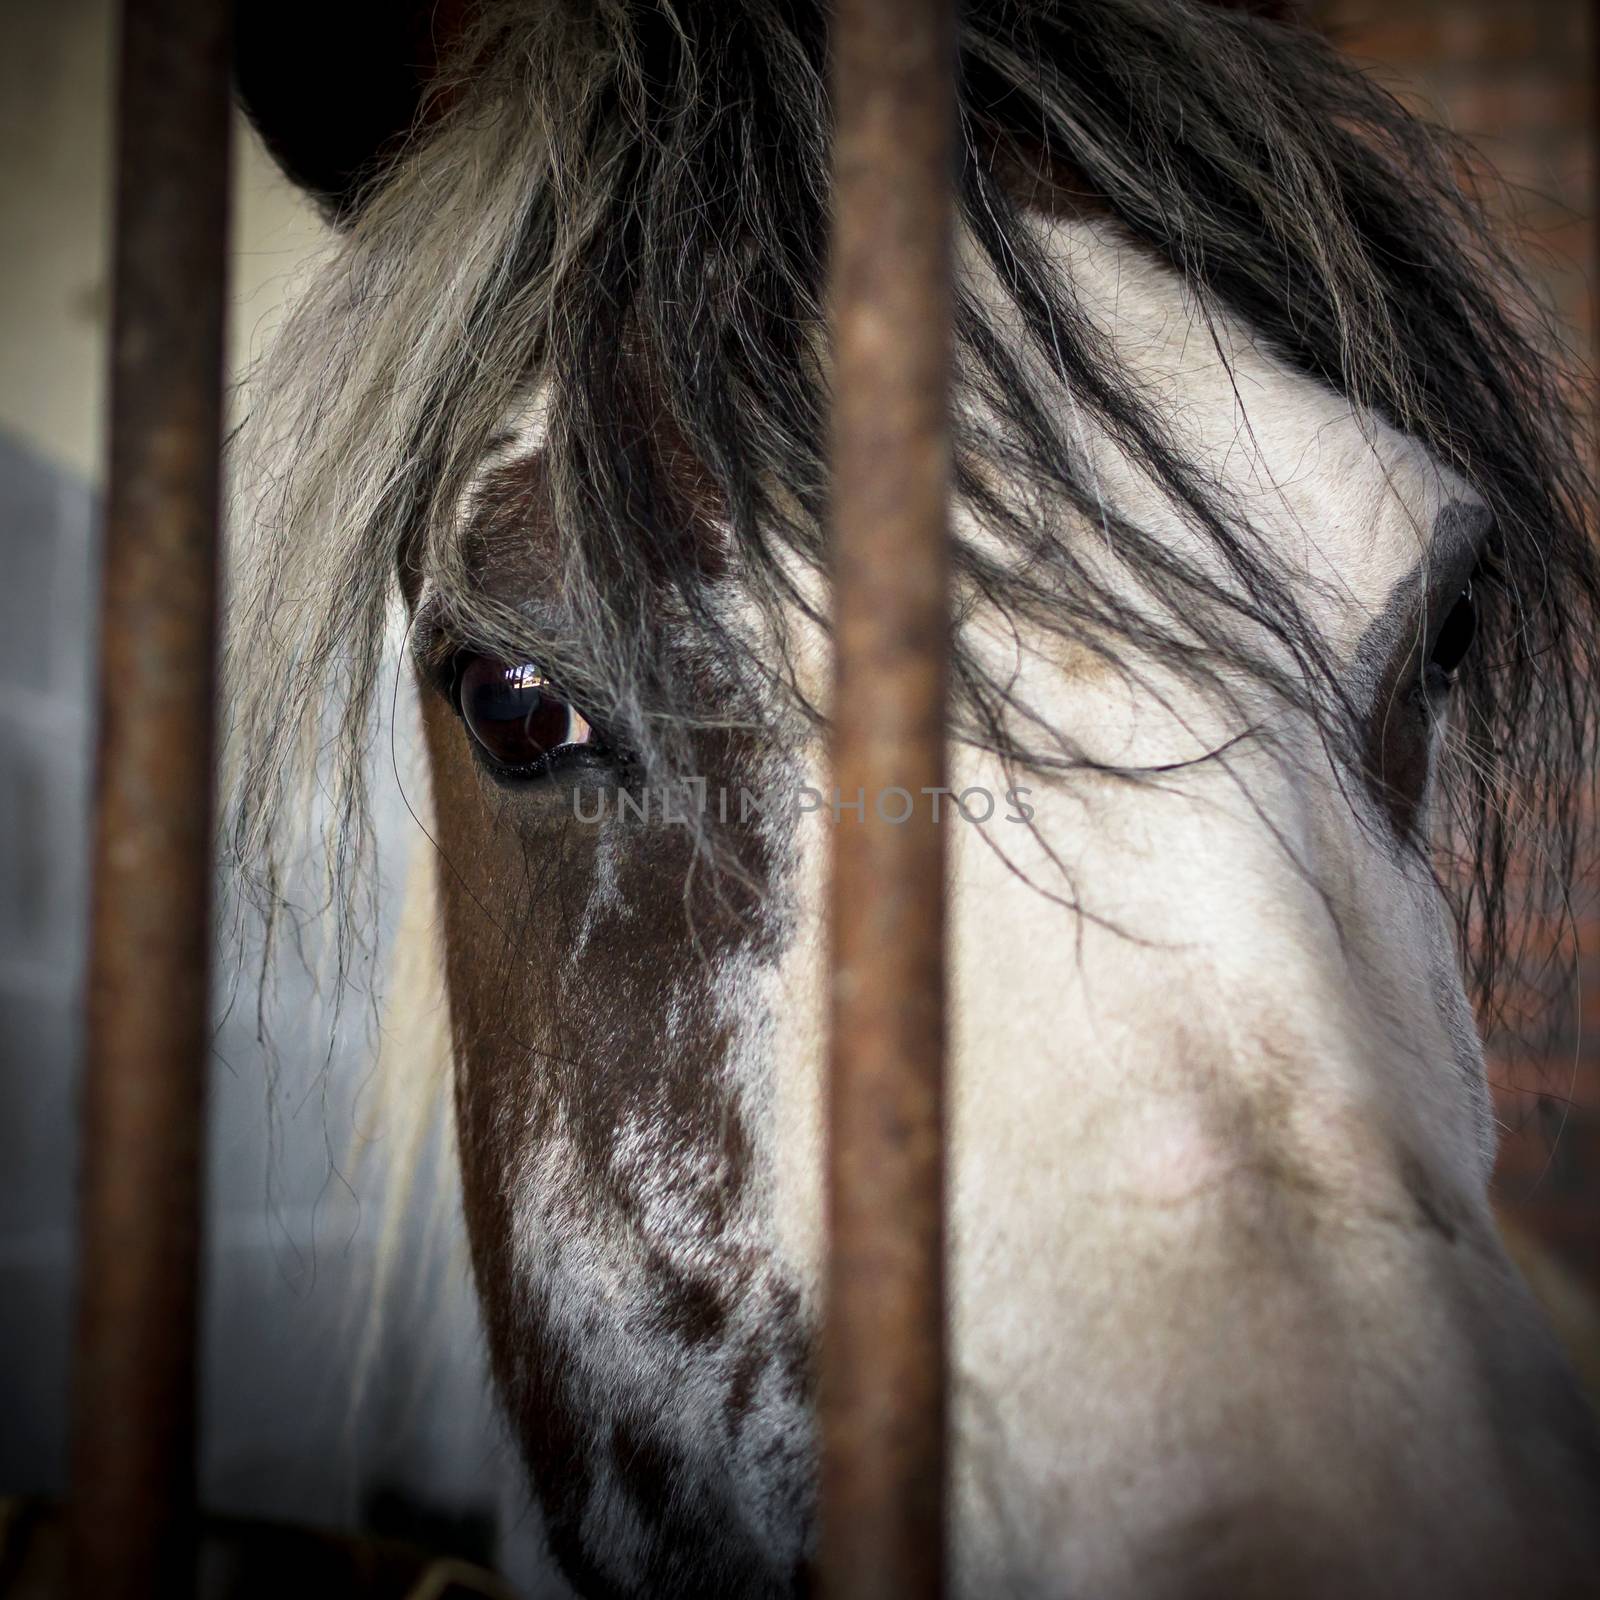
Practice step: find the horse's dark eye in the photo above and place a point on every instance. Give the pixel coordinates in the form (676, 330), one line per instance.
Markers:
(1454, 638)
(514, 714)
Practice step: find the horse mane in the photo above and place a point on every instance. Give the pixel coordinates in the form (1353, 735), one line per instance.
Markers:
(628, 202)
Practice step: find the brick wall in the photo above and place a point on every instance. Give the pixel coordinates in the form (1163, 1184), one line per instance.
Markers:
(1520, 81)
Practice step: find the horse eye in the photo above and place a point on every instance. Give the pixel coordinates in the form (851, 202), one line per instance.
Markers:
(514, 714)
(1454, 638)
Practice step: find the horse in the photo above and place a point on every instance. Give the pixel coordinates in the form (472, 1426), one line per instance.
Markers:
(1273, 668)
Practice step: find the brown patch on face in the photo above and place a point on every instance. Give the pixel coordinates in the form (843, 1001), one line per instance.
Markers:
(512, 519)
(1046, 183)
(540, 1029)
(582, 961)
(674, 501)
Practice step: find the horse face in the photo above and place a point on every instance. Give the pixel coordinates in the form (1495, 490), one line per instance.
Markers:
(1230, 1314)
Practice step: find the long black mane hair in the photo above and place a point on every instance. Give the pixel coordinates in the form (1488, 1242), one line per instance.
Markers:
(627, 202)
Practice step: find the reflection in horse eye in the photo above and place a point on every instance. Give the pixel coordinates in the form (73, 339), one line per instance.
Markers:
(512, 712)
(1455, 636)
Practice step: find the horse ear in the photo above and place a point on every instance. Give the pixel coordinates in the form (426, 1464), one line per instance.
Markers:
(332, 85)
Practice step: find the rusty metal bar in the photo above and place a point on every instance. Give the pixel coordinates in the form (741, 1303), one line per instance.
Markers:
(132, 1516)
(883, 1357)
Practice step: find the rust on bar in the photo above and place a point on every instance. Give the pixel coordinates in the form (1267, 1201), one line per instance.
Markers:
(883, 1380)
(148, 1013)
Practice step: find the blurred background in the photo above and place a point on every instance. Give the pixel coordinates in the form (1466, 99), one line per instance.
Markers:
(316, 1410)
(312, 1411)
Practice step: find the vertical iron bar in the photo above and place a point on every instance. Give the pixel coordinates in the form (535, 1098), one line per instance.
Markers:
(883, 1359)
(148, 1016)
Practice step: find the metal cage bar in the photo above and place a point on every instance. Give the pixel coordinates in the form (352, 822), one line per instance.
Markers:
(149, 961)
(883, 1359)
(884, 1379)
